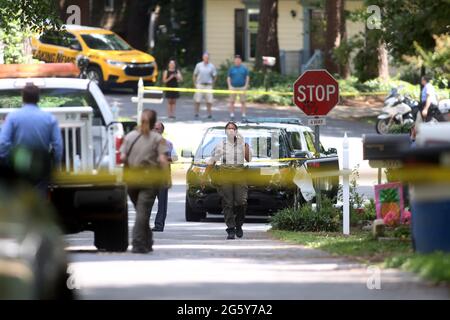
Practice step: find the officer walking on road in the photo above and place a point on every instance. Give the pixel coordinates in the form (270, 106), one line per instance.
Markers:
(31, 128)
(146, 150)
(232, 152)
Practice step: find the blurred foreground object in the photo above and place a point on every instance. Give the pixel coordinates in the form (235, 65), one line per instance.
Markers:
(33, 262)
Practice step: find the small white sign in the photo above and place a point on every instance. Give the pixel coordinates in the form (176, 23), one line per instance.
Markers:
(317, 121)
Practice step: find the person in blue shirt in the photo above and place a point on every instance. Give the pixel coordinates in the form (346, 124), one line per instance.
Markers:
(238, 80)
(32, 128)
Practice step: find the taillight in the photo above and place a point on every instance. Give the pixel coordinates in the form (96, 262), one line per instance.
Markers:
(119, 141)
(313, 164)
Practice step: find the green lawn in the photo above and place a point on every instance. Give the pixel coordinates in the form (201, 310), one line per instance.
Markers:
(363, 248)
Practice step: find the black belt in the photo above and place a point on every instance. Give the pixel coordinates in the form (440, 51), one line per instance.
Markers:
(206, 84)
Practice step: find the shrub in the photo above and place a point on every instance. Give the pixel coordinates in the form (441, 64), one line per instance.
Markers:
(307, 219)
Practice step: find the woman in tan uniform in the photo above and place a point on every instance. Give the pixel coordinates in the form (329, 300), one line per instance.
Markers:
(144, 149)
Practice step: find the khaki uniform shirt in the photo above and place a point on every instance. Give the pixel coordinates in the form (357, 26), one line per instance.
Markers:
(146, 150)
(230, 153)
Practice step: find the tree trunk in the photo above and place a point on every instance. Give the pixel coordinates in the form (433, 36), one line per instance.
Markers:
(138, 21)
(333, 12)
(383, 63)
(267, 39)
(344, 69)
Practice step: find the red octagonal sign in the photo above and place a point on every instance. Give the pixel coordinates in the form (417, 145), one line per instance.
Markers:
(316, 92)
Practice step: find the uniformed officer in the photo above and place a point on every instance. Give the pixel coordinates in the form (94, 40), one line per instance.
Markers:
(232, 152)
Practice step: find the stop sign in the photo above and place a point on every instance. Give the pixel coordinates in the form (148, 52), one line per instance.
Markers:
(316, 92)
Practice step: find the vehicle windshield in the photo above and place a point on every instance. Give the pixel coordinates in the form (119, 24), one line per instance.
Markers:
(310, 142)
(265, 143)
(295, 139)
(108, 41)
(53, 98)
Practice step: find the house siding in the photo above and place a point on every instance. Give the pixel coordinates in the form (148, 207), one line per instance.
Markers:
(219, 28)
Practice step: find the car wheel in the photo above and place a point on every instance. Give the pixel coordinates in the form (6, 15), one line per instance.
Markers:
(95, 74)
(192, 215)
(111, 236)
(382, 126)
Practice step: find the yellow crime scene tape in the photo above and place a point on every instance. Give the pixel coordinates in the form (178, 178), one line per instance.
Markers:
(255, 92)
(258, 176)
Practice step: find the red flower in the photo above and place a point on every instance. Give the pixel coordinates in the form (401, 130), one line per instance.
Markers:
(406, 217)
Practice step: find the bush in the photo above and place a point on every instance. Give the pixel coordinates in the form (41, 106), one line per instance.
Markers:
(400, 128)
(306, 219)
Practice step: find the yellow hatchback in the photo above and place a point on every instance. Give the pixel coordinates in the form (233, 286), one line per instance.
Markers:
(112, 61)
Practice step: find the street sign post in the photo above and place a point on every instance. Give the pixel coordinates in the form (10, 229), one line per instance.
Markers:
(316, 121)
(316, 92)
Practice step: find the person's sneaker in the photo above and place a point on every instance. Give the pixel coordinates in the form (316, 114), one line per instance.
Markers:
(231, 233)
(155, 229)
(239, 232)
(196, 116)
(209, 116)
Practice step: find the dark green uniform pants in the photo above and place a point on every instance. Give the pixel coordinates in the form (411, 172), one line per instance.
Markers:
(234, 197)
(143, 200)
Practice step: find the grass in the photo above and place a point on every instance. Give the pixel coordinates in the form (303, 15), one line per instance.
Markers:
(434, 267)
(361, 247)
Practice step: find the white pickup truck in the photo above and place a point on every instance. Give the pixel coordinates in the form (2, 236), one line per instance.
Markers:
(92, 139)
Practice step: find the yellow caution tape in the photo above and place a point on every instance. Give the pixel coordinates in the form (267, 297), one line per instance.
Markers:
(156, 177)
(255, 92)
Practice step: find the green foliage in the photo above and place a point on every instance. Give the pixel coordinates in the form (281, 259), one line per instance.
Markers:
(369, 213)
(13, 40)
(356, 199)
(179, 32)
(436, 60)
(403, 231)
(434, 267)
(366, 60)
(342, 54)
(31, 15)
(308, 219)
(406, 21)
(400, 128)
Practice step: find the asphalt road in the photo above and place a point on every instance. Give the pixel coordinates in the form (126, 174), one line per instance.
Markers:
(194, 261)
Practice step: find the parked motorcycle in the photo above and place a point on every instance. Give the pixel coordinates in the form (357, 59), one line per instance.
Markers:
(398, 110)
(402, 110)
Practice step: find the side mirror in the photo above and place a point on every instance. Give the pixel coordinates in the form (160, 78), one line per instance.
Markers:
(300, 154)
(75, 46)
(332, 151)
(128, 126)
(186, 153)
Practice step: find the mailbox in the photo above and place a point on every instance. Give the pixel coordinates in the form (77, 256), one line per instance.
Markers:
(385, 147)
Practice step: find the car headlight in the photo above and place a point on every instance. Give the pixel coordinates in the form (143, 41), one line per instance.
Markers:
(115, 63)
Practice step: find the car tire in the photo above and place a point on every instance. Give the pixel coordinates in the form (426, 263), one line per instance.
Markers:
(111, 236)
(192, 215)
(95, 74)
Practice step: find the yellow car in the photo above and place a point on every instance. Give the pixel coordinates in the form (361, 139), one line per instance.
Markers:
(112, 61)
